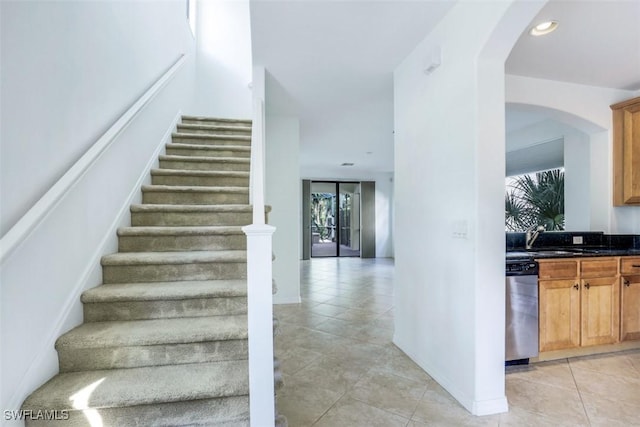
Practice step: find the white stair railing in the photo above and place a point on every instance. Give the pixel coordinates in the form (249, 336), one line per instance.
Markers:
(259, 285)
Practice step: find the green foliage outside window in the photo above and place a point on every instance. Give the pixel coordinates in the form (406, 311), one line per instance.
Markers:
(535, 199)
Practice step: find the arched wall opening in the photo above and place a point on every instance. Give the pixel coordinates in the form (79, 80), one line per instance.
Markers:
(585, 108)
(551, 138)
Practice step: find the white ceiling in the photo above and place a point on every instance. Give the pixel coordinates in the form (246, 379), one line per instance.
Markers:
(331, 62)
(597, 43)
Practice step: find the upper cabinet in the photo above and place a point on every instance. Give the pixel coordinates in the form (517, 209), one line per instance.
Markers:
(626, 152)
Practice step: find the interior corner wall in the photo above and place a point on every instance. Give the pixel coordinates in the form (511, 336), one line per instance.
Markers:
(283, 195)
(585, 108)
(57, 59)
(449, 202)
(223, 59)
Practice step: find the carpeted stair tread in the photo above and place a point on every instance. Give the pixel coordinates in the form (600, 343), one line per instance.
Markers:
(157, 258)
(203, 119)
(162, 291)
(200, 173)
(239, 160)
(204, 136)
(219, 127)
(240, 208)
(180, 230)
(207, 150)
(210, 147)
(192, 189)
(143, 386)
(155, 332)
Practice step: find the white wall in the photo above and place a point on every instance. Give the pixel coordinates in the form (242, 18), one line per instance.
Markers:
(283, 195)
(585, 108)
(224, 68)
(449, 201)
(384, 200)
(70, 69)
(577, 181)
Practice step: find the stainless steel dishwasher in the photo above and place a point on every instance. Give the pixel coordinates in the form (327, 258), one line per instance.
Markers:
(522, 311)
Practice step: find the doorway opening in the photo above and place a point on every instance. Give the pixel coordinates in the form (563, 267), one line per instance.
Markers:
(335, 219)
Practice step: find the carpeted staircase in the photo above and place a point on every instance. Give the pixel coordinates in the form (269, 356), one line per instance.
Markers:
(164, 339)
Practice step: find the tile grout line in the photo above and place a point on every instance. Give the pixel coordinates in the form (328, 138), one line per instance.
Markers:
(584, 409)
(416, 408)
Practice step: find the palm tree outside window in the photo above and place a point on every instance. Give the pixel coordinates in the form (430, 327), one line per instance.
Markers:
(535, 199)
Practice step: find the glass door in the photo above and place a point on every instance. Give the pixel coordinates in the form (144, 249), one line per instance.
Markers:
(349, 218)
(335, 219)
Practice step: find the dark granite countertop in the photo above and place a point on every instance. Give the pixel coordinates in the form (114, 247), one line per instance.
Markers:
(545, 253)
(560, 245)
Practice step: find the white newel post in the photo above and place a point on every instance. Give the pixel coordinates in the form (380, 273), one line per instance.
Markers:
(260, 317)
(259, 287)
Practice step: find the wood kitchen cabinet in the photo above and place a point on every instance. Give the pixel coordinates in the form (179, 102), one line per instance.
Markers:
(626, 152)
(630, 299)
(559, 304)
(600, 311)
(559, 321)
(579, 303)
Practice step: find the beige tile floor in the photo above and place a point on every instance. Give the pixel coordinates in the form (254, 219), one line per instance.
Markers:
(341, 369)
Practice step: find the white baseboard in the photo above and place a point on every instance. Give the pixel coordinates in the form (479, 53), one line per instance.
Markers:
(475, 407)
(286, 300)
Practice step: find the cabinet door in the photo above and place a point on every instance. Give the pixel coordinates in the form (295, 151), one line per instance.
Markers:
(600, 311)
(559, 314)
(630, 310)
(626, 152)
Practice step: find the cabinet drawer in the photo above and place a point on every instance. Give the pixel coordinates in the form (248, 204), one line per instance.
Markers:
(558, 269)
(630, 266)
(603, 267)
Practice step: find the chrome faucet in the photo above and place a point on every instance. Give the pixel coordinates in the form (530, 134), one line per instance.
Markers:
(531, 235)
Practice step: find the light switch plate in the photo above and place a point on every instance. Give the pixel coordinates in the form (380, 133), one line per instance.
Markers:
(577, 240)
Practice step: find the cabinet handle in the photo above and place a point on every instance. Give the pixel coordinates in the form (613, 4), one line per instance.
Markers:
(576, 286)
(587, 285)
(635, 265)
(627, 283)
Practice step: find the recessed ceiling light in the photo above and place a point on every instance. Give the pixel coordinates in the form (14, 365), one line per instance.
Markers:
(543, 28)
(347, 164)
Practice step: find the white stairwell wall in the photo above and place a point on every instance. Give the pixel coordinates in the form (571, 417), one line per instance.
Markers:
(70, 70)
(223, 59)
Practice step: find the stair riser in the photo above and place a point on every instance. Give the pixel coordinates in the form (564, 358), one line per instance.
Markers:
(205, 166)
(175, 150)
(239, 131)
(200, 181)
(84, 359)
(163, 309)
(190, 218)
(173, 272)
(196, 198)
(223, 412)
(185, 139)
(171, 243)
